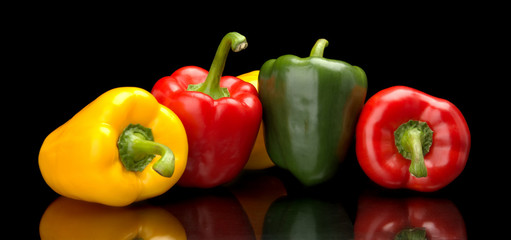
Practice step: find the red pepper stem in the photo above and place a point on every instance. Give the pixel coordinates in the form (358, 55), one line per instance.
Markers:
(319, 48)
(411, 233)
(211, 86)
(413, 140)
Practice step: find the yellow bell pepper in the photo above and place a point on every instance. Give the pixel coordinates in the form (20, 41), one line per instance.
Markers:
(259, 158)
(121, 148)
(67, 218)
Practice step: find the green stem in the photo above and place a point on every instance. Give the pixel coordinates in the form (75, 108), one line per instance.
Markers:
(413, 140)
(137, 149)
(211, 86)
(412, 143)
(411, 234)
(319, 48)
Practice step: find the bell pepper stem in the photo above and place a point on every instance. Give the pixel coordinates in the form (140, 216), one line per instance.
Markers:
(411, 234)
(319, 48)
(211, 86)
(137, 149)
(413, 143)
(165, 165)
(413, 140)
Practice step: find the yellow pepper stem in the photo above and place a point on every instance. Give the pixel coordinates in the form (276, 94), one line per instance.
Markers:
(137, 149)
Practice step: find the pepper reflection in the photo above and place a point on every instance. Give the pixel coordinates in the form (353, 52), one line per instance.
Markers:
(72, 219)
(256, 193)
(211, 214)
(386, 218)
(306, 218)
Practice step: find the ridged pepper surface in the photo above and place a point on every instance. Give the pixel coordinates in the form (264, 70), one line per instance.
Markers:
(221, 116)
(121, 148)
(310, 109)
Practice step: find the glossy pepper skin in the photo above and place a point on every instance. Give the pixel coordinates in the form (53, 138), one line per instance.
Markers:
(259, 158)
(82, 159)
(310, 109)
(221, 116)
(427, 168)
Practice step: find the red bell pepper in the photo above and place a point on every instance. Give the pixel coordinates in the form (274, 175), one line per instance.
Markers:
(221, 116)
(408, 139)
(381, 218)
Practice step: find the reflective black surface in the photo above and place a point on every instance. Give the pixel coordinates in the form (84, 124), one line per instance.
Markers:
(270, 204)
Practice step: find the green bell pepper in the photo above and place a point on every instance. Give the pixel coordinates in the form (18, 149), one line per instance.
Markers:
(310, 109)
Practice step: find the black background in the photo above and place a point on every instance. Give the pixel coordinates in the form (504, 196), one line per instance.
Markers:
(63, 57)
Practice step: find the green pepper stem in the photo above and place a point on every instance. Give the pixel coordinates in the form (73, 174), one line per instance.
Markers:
(319, 48)
(413, 140)
(211, 86)
(137, 149)
(411, 234)
(165, 165)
